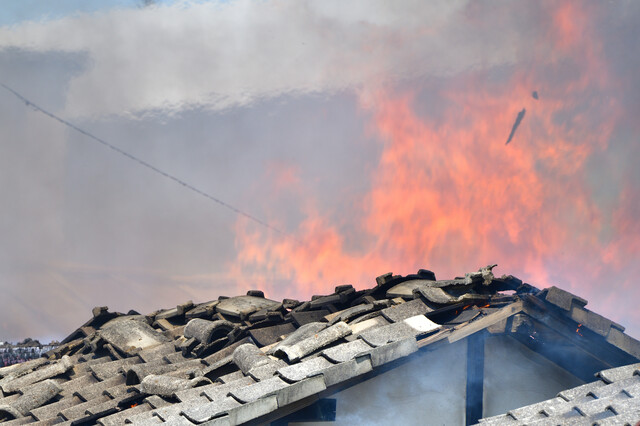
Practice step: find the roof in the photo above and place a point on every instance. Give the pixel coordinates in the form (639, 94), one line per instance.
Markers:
(248, 358)
(614, 399)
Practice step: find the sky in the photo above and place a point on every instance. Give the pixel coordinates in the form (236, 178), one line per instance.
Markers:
(371, 134)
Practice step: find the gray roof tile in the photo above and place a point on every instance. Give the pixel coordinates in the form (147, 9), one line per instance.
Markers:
(306, 317)
(404, 289)
(10, 385)
(257, 390)
(92, 391)
(156, 401)
(167, 385)
(300, 390)
(51, 411)
(131, 336)
(249, 356)
(79, 382)
(563, 299)
(346, 351)
(120, 417)
(78, 411)
(208, 411)
(619, 373)
(35, 397)
(351, 312)
(106, 370)
(410, 327)
(157, 352)
(207, 331)
(533, 411)
(302, 370)
(250, 411)
(145, 418)
(390, 352)
(629, 418)
(307, 330)
(243, 306)
(580, 391)
(396, 313)
(214, 393)
(187, 394)
(267, 335)
(312, 343)
(173, 410)
(630, 384)
(137, 372)
(231, 377)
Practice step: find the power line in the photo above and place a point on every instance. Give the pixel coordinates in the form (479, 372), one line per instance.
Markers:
(144, 163)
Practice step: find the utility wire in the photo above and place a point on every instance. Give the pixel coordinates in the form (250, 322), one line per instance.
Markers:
(144, 163)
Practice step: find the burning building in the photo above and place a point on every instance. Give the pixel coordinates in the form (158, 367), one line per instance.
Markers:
(410, 350)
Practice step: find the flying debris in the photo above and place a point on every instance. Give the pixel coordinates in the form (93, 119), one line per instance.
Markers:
(516, 124)
(535, 95)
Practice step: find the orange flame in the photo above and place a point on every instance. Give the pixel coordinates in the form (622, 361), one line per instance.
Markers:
(449, 195)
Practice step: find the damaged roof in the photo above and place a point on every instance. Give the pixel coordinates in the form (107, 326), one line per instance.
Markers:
(248, 358)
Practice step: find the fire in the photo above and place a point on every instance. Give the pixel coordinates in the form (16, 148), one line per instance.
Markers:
(135, 404)
(578, 329)
(447, 194)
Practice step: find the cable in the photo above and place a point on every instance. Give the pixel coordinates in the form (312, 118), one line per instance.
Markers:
(144, 163)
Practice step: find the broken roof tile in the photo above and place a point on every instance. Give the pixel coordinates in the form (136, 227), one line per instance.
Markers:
(131, 336)
(349, 313)
(316, 341)
(406, 310)
(207, 331)
(410, 327)
(267, 335)
(243, 306)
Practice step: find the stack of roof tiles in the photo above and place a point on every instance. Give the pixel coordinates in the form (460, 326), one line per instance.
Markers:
(238, 359)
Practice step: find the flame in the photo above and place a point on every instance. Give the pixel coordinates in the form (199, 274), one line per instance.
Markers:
(447, 193)
(578, 329)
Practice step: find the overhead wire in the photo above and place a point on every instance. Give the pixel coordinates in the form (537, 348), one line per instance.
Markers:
(144, 163)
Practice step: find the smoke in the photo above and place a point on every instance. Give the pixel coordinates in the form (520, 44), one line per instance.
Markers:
(447, 194)
(373, 134)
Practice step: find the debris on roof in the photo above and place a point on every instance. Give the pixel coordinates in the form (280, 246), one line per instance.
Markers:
(248, 358)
